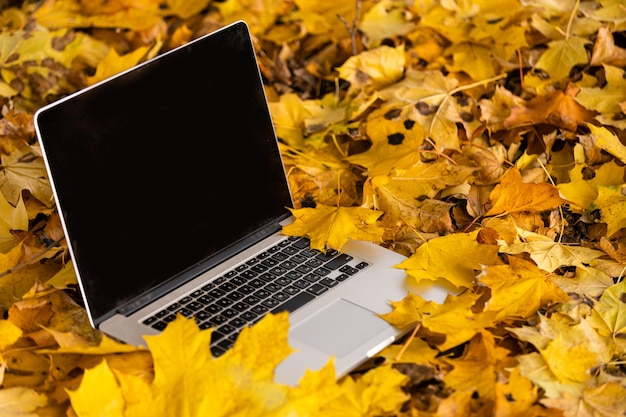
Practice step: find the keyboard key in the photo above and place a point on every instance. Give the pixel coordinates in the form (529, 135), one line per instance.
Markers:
(240, 306)
(149, 320)
(317, 289)
(301, 283)
(279, 296)
(338, 261)
(229, 313)
(270, 303)
(251, 300)
(212, 308)
(226, 328)
(218, 320)
(291, 290)
(238, 322)
(259, 309)
(235, 296)
(195, 306)
(328, 282)
(295, 303)
(159, 325)
(249, 316)
(174, 307)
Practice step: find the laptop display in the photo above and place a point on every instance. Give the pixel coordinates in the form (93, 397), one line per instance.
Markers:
(165, 169)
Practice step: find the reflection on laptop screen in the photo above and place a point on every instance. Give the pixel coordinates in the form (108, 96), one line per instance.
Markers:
(163, 166)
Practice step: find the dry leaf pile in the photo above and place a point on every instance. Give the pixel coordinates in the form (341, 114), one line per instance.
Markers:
(484, 140)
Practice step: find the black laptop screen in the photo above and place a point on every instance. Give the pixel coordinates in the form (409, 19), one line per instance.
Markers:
(163, 166)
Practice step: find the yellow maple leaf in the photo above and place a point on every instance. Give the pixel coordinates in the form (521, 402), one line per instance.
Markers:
(605, 99)
(384, 20)
(512, 195)
(475, 370)
(113, 63)
(107, 400)
(608, 316)
(474, 59)
(395, 145)
(516, 397)
(294, 118)
(569, 361)
(377, 393)
(9, 334)
(331, 227)
(455, 258)
(607, 140)
(519, 289)
(374, 68)
(454, 318)
(140, 15)
(548, 254)
(612, 204)
(605, 400)
(21, 402)
(188, 381)
(562, 55)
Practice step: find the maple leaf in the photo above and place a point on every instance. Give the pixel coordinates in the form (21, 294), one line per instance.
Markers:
(188, 381)
(605, 51)
(608, 316)
(556, 108)
(113, 63)
(548, 254)
(606, 400)
(384, 20)
(612, 202)
(519, 289)
(395, 145)
(375, 68)
(603, 138)
(294, 118)
(512, 195)
(21, 402)
(68, 13)
(453, 258)
(25, 170)
(454, 318)
(605, 99)
(331, 227)
(516, 397)
(562, 55)
(9, 334)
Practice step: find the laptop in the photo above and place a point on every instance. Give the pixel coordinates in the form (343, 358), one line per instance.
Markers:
(172, 195)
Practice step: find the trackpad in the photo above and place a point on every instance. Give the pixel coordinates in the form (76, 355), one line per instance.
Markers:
(339, 328)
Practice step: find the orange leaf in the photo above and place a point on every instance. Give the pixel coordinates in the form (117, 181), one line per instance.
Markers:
(555, 108)
(512, 195)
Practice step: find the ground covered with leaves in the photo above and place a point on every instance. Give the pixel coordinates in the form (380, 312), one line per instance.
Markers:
(484, 140)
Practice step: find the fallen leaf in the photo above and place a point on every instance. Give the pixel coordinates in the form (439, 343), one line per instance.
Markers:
(331, 227)
(512, 195)
(519, 289)
(454, 258)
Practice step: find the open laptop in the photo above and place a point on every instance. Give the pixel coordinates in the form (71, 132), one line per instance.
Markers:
(172, 194)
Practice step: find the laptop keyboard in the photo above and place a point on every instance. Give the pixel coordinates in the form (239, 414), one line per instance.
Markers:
(285, 277)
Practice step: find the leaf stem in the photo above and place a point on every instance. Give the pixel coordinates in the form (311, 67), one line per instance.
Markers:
(408, 341)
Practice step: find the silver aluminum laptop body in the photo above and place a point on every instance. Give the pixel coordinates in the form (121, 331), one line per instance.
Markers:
(168, 175)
